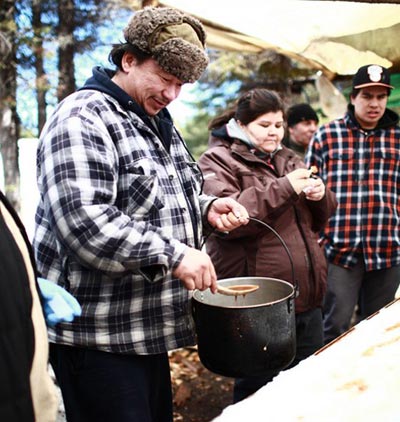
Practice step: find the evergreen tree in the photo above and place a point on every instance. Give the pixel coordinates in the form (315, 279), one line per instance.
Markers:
(9, 127)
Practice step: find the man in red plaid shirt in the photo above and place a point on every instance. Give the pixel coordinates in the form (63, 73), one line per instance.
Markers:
(358, 157)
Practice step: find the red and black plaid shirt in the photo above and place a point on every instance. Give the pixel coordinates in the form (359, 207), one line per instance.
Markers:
(363, 169)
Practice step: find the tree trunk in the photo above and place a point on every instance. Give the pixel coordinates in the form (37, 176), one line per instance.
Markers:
(41, 77)
(66, 50)
(9, 127)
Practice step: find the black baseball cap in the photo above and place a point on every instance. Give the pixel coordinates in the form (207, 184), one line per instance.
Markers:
(372, 75)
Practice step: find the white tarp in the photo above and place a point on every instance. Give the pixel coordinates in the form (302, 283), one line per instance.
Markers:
(334, 36)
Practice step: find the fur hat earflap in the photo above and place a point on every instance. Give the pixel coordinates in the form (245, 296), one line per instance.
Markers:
(174, 39)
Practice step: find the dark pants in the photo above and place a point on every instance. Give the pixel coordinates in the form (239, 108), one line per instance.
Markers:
(309, 339)
(371, 290)
(106, 387)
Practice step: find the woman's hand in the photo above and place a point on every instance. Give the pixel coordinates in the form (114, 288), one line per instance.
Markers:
(302, 180)
(315, 192)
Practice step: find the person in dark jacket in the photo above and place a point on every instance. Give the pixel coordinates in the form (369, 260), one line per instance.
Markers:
(27, 392)
(302, 122)
(358, 156)
(246, 161)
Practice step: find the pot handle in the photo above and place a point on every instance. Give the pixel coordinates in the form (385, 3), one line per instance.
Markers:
(294, 281)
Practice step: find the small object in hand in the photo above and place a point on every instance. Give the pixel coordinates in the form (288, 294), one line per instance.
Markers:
(313, 172)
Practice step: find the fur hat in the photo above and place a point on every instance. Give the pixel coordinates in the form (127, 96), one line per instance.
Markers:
(371, 75)
(174, 39)
(299, 113)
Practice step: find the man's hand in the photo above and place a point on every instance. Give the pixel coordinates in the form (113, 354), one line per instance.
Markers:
(196, 271)
(225, 214)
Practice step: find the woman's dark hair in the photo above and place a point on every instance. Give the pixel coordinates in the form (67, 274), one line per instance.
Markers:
(249, 106)
(118, 50)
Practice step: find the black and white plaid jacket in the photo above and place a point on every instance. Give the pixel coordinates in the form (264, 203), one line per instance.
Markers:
(115, 215)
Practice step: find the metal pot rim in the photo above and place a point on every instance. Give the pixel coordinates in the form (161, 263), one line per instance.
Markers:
(247, 280)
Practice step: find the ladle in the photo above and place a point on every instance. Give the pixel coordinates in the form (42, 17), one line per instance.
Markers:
(240, 289)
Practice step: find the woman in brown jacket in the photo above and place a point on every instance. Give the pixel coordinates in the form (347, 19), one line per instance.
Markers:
(247, 162)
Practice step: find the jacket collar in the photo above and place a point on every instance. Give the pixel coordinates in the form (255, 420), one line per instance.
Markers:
(280, 160)
(101, 81)
(389, 119)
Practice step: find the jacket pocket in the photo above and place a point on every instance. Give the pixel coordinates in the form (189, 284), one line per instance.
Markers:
(388, 154)
(342, 154)
(140, 189)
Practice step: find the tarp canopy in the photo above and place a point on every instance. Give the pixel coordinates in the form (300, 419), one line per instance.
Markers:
(336, 37)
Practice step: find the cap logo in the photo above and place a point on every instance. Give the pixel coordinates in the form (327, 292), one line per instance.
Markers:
(375, 73)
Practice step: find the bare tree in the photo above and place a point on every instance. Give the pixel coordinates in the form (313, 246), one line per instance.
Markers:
(38, 50)
(66, 48)
(77, 32)
(9, 126)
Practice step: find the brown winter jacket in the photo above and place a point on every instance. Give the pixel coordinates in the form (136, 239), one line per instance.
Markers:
(231, 169)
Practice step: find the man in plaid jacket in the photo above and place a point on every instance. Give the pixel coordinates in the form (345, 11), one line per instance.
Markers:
(358, 157)
(120, 220)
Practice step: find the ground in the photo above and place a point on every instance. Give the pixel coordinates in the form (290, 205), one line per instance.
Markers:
(199, 395)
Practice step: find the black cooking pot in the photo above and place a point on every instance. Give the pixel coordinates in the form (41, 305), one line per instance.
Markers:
(243, 336)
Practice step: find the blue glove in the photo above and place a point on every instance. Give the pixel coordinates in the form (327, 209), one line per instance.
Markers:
(59, 305)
